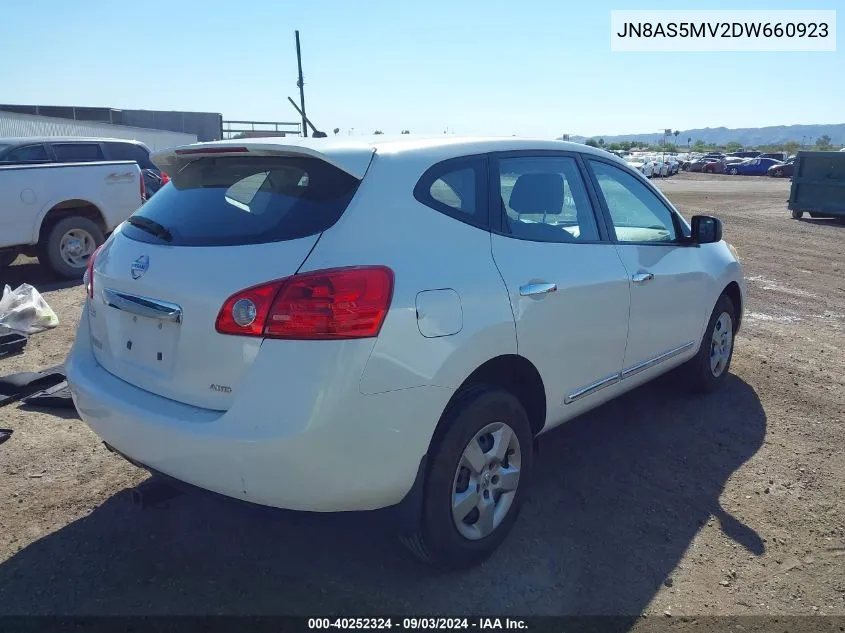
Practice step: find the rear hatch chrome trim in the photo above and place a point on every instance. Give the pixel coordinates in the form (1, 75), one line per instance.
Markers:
(143, 306)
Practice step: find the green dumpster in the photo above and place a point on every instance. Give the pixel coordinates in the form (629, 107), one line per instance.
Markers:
(818, 185)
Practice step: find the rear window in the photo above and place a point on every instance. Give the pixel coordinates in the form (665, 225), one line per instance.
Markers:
(251, 200)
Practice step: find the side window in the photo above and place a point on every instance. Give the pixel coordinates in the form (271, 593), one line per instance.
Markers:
(130, 151)
(77, 152)
(30, 153)
(637, 214)
(543, 199)
(456, 188)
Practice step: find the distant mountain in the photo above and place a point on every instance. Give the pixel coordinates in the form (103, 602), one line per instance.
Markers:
(748, 136)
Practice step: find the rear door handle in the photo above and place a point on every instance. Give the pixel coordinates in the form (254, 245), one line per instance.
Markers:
(531, 290)
(641, 278)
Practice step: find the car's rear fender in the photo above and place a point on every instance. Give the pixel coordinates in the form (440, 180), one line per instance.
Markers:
(444, 275)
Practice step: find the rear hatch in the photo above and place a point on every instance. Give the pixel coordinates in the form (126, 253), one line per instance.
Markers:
(229, 219)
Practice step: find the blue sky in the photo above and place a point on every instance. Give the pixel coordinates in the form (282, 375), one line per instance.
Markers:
(527, 67)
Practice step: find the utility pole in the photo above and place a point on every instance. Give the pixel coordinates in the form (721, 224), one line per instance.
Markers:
(301, 85)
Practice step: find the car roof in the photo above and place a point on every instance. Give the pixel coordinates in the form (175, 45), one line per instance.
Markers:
(26, 140)
(353, 154)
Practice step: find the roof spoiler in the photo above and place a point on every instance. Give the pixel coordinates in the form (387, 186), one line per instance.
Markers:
(353, 160)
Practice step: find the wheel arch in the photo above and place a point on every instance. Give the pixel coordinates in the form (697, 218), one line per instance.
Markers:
(71, 207)
(513, 373)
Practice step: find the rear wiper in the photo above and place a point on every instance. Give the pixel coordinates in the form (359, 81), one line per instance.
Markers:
(151, 226)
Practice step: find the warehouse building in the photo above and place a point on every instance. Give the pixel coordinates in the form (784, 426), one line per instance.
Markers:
(156, 128)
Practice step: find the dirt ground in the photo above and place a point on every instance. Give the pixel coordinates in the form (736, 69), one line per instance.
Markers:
(729, 504)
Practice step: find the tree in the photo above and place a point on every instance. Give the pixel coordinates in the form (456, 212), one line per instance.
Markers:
(700, 146)
(601, 142)
(336, 130)
(378, 132)
(823, 142)
(790, 147)
(591, 142)
(675, 134)
(689, 140)
(733, 146)
(406, 131)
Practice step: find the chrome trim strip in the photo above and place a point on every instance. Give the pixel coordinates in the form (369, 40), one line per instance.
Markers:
(648, 364)
(143, 306)
(627, 373)
(596, 386)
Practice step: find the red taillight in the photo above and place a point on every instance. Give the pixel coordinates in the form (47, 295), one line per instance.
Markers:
(339, 303)
(89, 273)
(164, 179)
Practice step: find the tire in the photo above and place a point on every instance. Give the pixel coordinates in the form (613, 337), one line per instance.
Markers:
(734, 172)
(438, 540)
(778, 173)
(703, 374)
(71, 264)
(7, 258)
(797, 215)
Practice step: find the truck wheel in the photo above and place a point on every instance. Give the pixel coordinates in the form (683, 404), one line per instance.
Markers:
(7, 257)
(797, 215)
(68, 245)
(476, 479)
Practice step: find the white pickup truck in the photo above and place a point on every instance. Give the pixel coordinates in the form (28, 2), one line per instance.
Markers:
(61, 213)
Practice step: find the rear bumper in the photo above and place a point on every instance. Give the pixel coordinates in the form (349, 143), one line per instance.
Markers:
(303, 445)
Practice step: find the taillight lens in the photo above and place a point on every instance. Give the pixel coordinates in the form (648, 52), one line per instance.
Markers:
(89, 274)
(340, 303)
(164, 179)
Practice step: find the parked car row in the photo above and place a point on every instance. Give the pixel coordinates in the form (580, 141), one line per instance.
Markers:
(741, 164)
(752, 166)
(654, 165)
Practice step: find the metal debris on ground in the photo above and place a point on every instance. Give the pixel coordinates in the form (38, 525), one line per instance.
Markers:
(12, 343)
(21, 385)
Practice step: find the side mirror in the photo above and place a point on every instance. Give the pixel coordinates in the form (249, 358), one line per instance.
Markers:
(706, 229)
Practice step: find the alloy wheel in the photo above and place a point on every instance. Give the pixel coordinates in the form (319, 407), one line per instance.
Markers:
(721, 344)
(486, 481)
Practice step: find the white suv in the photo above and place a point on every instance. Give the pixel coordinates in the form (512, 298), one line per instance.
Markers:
(334, 326)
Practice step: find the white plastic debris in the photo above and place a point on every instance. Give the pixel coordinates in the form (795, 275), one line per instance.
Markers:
(24, 310)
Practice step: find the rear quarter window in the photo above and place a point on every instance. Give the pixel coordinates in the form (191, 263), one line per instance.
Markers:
(230, 201)
(130, 151)
(457, 188)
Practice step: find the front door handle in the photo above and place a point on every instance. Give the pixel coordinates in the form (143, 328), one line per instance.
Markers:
(641, 278)
(531, 290)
